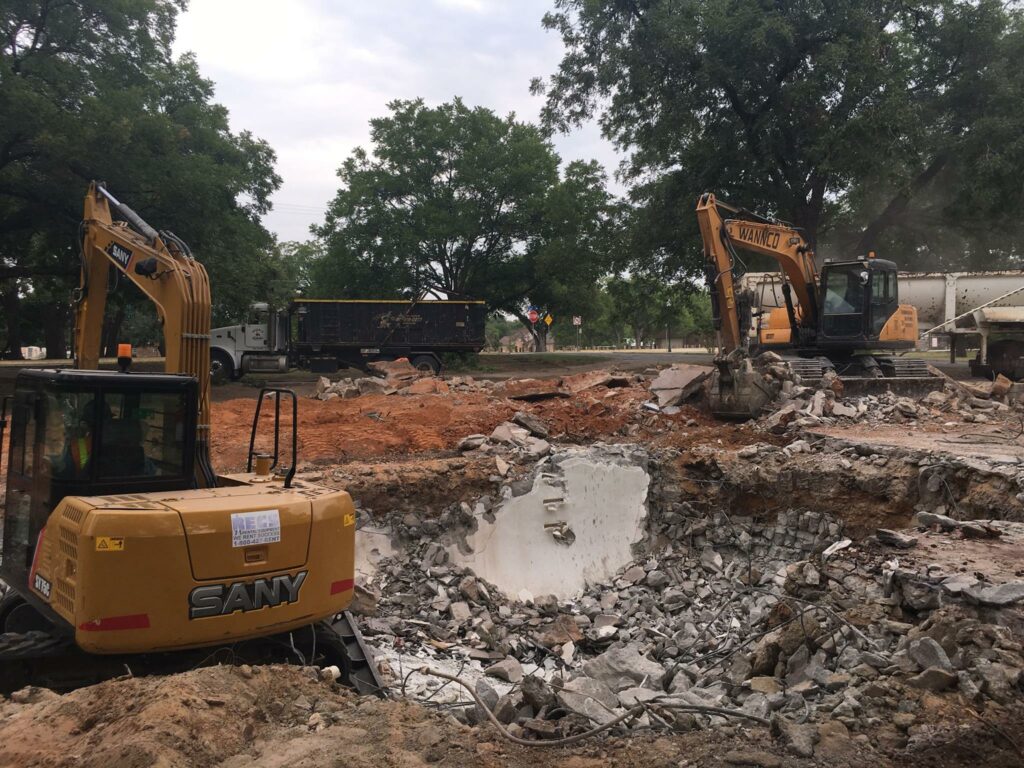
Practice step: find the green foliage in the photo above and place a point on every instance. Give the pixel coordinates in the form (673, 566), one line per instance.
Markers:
(647, 305)
(461, 202)
(869, 124)
(498, 327)
(89, 90)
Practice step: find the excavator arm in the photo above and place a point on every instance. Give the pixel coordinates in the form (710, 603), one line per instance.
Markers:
(722, 235)
(163, 268)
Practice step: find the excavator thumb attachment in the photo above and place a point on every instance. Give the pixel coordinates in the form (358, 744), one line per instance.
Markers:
(737, 390)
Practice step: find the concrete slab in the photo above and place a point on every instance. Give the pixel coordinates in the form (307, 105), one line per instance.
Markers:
(600, 498)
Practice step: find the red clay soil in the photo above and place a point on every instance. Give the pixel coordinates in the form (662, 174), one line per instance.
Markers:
(381, 426)
(370, 426)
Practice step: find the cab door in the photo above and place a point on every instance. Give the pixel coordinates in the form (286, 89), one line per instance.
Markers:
(884, 299)
(845, 289)
(27, 505)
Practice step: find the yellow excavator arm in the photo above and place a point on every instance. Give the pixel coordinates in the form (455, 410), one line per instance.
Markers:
(785, 244)
(163, 268)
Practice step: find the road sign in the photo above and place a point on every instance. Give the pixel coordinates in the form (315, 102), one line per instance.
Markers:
(577, 320)
(532, 315)
(549, 320)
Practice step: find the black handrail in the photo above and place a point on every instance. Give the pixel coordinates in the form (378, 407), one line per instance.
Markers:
(277, 392)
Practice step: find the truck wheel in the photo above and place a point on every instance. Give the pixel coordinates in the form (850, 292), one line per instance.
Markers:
(426, 364)
(222, 369)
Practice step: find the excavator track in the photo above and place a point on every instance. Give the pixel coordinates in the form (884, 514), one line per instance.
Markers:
(51, 660)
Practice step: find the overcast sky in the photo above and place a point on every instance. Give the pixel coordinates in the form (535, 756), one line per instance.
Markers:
(307, 76)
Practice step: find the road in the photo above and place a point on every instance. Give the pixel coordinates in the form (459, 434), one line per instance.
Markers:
(493, 366)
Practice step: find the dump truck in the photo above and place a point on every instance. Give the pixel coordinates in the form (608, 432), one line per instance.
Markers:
(326, 334)
(983, 310)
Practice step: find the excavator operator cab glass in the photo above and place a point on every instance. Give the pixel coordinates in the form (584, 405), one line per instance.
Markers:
(846, 290)
(858, 298)
(91, 433)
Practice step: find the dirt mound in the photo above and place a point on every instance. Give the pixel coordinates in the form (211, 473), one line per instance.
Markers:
(178, 720)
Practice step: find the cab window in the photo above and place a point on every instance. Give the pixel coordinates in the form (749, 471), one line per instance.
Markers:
(845, 295)
(883, 298)
(68, 434)
(142, 435)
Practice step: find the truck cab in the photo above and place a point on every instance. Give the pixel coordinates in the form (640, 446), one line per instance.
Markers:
(259, 344)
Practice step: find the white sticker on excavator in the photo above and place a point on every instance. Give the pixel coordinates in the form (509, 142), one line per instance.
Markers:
(251, 528)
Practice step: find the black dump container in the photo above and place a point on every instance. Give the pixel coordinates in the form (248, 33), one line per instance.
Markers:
(355, 331)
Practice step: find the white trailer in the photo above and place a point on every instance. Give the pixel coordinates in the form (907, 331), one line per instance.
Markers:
(977, 309)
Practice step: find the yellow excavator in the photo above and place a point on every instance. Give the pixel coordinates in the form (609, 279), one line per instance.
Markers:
(121, 545)
(846, 318)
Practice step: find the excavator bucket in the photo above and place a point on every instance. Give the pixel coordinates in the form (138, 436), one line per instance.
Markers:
(738, 391)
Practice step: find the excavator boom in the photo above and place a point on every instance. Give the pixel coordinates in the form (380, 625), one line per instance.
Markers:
(163, 268)
(749, 232)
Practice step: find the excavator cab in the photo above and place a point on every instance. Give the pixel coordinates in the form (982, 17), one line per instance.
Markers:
(91, 433)
(857, 300)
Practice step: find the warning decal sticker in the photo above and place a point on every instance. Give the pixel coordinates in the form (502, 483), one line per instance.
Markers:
(251, 528)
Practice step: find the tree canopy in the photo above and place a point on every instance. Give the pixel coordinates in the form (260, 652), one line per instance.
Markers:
(89, 90)
(461, 202)
(868, 123)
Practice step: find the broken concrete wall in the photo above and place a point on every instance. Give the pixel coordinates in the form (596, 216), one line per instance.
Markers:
(576, 524)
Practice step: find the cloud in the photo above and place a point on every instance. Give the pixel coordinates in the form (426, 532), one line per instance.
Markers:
(308, 75)
(476, 6)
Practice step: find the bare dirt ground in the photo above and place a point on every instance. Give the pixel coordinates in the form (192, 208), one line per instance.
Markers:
(278, 717)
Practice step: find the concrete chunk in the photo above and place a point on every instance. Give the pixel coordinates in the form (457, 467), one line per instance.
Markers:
(626, 667)
(676, 384)
(590, 698)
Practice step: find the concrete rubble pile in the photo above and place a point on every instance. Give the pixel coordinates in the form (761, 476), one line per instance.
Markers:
(782, 619)
(394, 377)
(799, 404)
(399, 377)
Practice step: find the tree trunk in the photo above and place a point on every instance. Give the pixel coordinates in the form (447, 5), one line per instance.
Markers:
(55, 331)
(899, 204)
(540, 337)
(11, 303)
(112, 334)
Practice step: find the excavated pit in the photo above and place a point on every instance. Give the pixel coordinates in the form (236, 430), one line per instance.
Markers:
(582, 514)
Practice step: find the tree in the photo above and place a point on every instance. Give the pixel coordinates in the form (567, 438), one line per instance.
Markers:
(460, 202)
(868, 124)
(89, 90)
(648, 305)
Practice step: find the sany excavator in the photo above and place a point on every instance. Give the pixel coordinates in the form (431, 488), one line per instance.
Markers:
(845, 319)
(121, 545)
